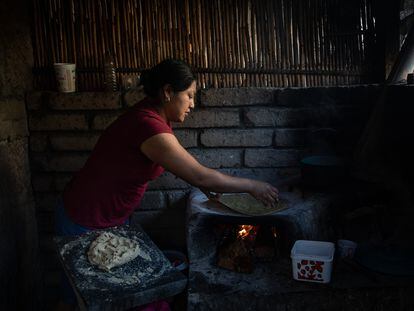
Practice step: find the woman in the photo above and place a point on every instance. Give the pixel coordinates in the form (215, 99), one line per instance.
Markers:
(135, 149)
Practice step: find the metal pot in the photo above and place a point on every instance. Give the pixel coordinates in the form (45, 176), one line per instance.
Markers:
(322, 171)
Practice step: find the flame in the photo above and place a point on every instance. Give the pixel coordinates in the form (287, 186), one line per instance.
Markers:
(274, 232)
(246, 230)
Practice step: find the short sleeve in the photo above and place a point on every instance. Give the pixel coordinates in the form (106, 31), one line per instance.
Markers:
(149, 125)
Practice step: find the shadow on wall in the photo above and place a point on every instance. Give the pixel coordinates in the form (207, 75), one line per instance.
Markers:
(19, 283)
(9, 274)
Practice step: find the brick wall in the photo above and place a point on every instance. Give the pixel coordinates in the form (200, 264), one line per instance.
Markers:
(259, 132)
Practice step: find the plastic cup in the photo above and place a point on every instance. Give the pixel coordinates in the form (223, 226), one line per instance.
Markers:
(346, 248)
(66, 77)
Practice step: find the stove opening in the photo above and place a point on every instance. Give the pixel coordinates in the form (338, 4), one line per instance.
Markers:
(241, 246)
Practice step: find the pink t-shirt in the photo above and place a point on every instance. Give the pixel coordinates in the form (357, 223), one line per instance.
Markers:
(105, 192)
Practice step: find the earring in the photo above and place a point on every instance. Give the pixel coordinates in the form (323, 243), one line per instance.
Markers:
(167, 99)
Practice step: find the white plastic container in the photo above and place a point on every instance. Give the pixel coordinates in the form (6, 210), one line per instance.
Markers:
(312, 261)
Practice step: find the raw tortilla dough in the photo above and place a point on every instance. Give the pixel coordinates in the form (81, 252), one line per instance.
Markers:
(109, 250)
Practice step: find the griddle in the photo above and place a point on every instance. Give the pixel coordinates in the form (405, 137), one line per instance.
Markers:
(133, 284)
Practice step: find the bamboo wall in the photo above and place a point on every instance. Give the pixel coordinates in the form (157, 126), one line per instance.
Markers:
(229, 43)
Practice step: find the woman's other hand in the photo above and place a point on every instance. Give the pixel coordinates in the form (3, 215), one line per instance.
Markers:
(265, 193)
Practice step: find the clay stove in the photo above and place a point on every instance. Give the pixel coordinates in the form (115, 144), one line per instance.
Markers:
(228, 272)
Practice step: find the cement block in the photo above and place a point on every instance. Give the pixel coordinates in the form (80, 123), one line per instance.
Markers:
(42, 182)
(133, 96)
(299, 97)
(187, 138)
(102, 121)
(237, 138)
(38, 142)
(217, 158)
(201, 118)
(47, 201)
(277, 117)
(290, 137)
(271, 157)
(145, 218)
(85, 101)
(15, 174)
(46, 222)
(61, 180)
(274, 176)
(237, 96)
(361, 95)
(58, 163)
(177, 198)
(75, 142)
(161, 219)
(167, 181)
(51, 122)
(13, 122)
(153, 200)
(36, 100)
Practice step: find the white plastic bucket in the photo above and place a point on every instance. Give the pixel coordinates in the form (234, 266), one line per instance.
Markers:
(66, 77)
(312, 261)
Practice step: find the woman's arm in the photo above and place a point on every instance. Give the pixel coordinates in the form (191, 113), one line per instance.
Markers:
(165, 150)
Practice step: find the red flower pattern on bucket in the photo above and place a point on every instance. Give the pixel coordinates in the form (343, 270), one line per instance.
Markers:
(310, 270)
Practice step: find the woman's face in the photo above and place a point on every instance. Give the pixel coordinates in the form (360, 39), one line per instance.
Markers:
(180, 103)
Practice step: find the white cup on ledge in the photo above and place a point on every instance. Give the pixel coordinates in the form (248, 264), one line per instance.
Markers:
(65, 77)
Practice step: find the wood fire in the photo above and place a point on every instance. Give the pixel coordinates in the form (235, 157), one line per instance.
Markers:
(247, 231)
(241, 245)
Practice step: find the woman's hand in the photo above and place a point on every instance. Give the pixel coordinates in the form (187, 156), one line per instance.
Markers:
(265, 193)
(211, 195)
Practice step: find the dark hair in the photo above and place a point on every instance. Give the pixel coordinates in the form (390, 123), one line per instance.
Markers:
(170, 71)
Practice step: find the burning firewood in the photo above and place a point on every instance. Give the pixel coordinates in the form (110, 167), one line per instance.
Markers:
(235, 253)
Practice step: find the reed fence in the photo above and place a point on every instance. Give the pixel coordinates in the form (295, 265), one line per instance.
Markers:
(228, 43)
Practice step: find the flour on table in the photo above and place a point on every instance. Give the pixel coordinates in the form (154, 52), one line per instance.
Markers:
(109, 250)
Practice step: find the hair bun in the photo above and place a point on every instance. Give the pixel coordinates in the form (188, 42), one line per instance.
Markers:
(145, 77)
(146, 80)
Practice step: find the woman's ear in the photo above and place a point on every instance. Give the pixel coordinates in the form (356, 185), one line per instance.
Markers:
(168, 92)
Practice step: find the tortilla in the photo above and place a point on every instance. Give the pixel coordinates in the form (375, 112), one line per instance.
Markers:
(244, 203)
